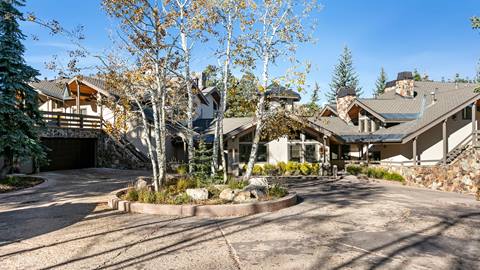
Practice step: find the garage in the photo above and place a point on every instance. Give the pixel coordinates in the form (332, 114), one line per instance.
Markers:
(67, 153)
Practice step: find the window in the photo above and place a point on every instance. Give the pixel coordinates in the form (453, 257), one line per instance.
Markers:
(345, 152)
(245, 148)
(215, 106)
(310, 153)
(295, 152)
(467, 113)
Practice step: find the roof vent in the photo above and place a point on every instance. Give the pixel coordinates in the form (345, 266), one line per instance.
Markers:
(434, 96)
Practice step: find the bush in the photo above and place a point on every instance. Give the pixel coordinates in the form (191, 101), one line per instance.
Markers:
(146, 196)
(237, 184)
(270, 169)
(393, 176)
(182, 169)
(354, 170)
(375, 172)
(131, 195)
(292, 168)
(277, 191)
(305, 168)
(181, 198)
(161, 197)
(315, 169)
(281, 167)
(257, 170)
(184, 183)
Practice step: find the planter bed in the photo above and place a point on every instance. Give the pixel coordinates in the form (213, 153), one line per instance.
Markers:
(217, 210)
(18, 182)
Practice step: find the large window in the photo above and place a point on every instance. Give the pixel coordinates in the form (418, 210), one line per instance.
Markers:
(295, 152)
(245, 148)
(304, 148)
(467, 113)
(311, 153)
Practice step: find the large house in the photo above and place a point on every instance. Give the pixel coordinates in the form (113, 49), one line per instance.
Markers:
(411, 123)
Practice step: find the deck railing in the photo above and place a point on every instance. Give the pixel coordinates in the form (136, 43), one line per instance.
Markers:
(71, 120)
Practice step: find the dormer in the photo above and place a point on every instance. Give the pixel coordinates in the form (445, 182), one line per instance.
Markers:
(281, 96)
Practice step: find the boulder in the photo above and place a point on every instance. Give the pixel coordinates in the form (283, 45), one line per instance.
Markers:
(258, 181)
(244, 196)
(228, 194)
(220, 187)
(197, 193)
(141, 184)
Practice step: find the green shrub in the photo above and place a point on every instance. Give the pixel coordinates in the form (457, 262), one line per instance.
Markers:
(184, 183)
(131, 195)
(161, 197)
(237, 184)
(292, 168)
(146, 196)
(353, 169)
(393, 176)
(181, 198)
(315, 169)
(277, 191)
(213, 192)
(305, 168)
(270, 169)
(257, 170)
(182, 169)
(281, 167)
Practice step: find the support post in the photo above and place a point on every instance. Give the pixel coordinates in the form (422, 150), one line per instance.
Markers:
(78, 97)
(445, 141)
(474, 123)
(415, 163)
(339, 151)
(367, 153)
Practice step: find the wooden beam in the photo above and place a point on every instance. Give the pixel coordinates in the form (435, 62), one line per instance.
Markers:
(77, 104)
(445, 141)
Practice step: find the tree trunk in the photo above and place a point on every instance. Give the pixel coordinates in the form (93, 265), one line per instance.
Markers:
(259, 114)
(146, 137)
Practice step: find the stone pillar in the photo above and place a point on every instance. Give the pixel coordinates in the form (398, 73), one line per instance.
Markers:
(474, 123)
(445, 141)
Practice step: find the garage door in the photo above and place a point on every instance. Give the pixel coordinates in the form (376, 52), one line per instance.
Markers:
(67, 154)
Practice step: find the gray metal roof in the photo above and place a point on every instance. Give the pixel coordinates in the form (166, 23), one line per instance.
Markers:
(51, 88)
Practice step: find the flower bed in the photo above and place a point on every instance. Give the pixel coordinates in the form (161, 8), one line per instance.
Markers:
(290, 168)
(379, 173)
(19, 181)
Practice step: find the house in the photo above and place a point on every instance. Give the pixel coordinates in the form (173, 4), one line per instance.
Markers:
(411, 123)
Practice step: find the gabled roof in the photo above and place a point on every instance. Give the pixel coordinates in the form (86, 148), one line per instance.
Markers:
(52, 88)
(281, 92)
(332, 108)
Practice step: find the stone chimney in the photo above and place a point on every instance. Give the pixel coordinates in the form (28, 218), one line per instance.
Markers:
(345, 97)
(404, 84)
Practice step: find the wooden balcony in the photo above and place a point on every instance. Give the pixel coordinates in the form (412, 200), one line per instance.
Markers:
(71, 120)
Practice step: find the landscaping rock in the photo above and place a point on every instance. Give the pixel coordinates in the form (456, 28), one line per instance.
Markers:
(258, 181)
(228, 194)
(257, 192)
(141, 184)
(220, 187)
(197, 193)
(244, 196)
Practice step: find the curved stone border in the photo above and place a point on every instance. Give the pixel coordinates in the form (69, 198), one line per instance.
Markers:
(28, 190)
(218, 210)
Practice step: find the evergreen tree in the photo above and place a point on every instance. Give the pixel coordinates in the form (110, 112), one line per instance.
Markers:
(381, 83)
(202, 161)
(19, 115)
(416, 76)
(344, 76)
(242, 96)
(313, 107)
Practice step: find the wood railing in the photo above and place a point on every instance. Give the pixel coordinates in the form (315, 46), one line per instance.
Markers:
(71, 120)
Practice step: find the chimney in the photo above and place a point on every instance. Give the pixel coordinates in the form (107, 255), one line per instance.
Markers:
(404, 84)
(345, 97)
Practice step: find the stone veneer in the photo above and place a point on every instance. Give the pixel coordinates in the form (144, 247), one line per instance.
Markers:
(110, 153)
(405, 88)
(462, 175)
(342, 105)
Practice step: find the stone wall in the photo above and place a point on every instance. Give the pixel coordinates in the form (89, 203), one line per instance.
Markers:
(342, 105)
(405, 88)
(463, 175)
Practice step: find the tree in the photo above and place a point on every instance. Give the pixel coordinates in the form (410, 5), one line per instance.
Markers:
(416, 76)
(381, 83)
(242, 96)
(20, 119)
(344, 75)
(312, 107)
(276, 32)
(475, 22)
(149, 43)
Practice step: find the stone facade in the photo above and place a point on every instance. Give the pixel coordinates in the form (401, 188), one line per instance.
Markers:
(110, 152)
(342, 105)
(463, 175)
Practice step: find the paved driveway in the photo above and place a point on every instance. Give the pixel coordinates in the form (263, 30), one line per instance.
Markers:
(346, 224)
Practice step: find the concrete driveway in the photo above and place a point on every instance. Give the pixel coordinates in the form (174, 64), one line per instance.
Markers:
(345, 224)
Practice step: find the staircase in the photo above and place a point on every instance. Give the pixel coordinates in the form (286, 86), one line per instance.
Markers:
(457, 151)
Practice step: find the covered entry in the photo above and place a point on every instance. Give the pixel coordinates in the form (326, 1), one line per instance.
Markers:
(69, 153)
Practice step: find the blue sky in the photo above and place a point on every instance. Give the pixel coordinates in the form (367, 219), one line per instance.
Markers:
(433, 36)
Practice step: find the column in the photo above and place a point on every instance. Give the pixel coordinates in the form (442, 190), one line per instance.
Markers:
(339, 151)
(474, 123)
(445, 141)
(78, 97)
(415, 151)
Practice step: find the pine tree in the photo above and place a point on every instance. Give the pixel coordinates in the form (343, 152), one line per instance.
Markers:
(416, 76)
(312, 106)
(344, 76)
(19, 116)
(381, 83)
(202, 160)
